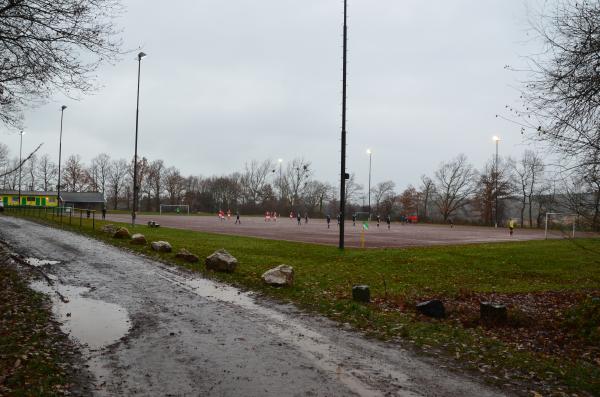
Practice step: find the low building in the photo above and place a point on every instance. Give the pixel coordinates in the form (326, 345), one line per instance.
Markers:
(28, 198)
(85, 200)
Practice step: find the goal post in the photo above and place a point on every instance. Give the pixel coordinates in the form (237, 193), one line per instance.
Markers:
(563, 221)
(174, 208)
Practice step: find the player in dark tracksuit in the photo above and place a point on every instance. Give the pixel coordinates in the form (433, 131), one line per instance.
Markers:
(378, 220)
(299, 217)
(328, 220)
(353, 219)
(389, 221)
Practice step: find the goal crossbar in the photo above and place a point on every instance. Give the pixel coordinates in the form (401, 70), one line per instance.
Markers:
(185, 207)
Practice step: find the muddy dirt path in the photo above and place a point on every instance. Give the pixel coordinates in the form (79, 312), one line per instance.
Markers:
(151, 329)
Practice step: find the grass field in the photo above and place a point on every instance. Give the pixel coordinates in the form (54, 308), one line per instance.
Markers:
(551, 341)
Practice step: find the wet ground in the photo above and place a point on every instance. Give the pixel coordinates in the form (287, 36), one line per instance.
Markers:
(150, 329)
(316, 231)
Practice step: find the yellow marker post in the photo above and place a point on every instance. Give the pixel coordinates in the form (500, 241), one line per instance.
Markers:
(362, 234)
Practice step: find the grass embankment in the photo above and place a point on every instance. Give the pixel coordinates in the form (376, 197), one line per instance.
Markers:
(549, 285)
(32, 351)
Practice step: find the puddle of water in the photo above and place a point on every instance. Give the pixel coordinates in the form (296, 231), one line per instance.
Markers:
(40, 262)
(89, 321)
(326, 354)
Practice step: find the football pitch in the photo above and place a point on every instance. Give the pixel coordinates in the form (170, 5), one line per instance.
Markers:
(316, 231)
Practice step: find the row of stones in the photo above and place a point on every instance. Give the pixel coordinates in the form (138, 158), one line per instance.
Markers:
(220, 261)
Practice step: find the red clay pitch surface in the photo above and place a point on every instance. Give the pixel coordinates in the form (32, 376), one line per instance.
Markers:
(316, 231)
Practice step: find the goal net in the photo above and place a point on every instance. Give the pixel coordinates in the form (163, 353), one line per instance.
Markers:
(175, 209)
(560, 224)
(362, 216)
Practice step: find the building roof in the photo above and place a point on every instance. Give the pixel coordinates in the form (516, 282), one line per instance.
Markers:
(26, 193)
(82, 197)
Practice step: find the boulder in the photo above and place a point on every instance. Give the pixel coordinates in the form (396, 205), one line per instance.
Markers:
(279, 276)
(221, 261)
(161, 246)
(138, 239)
(493, 313)
(361, 293)
(122, 232)
(187, 256)
(110, 228)
(433, 308)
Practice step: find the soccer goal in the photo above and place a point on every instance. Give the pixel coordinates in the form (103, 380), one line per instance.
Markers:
(559, 223)
(174, 209)
(362, 216)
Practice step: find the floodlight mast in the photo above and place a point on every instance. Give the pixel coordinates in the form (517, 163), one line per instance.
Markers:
(137, 114)
(62, 113)
(343, 152)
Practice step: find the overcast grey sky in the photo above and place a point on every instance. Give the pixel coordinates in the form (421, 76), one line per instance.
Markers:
(230, 81)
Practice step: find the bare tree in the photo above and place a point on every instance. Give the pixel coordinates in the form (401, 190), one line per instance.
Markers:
(582, 191)
(49, 46)
(426, 192)
(47, 172)
(562, 96)
(454, 185)
(101, 166)
(295, 179)
(315, 195)
(116, 179)
(156, 174)
(174, 185)
(353, 189)
(15, 165)
(528, 175)
(409, 199)
(30, 172)
(74, 174)
(494, 185)
(254, 179)
(382, 191)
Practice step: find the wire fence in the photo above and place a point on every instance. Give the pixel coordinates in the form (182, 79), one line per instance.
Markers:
(66, 215)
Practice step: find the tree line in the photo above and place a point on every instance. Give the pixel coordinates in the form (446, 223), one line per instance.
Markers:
(456, 191)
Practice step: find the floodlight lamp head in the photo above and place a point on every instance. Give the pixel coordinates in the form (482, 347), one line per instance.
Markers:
(369, 151)
(22, 132)
(141, 55)
(280, 160)
(63, 107)
(495, 138)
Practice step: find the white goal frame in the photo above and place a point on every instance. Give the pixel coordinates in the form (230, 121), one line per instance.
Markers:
(563, 214)
(173, 205)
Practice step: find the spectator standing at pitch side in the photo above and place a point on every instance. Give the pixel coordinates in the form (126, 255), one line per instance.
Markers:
(306, 217)
(328, 218)
(388, 221)
(103, 212)
(237, 218)
(378, 220)
(353, 219)
(299, 218)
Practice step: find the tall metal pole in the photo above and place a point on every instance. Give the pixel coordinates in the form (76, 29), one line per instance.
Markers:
(137, 114)
(20, 165)
(370, 154)
(497, 140)
(343, 162)
(62, 113)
